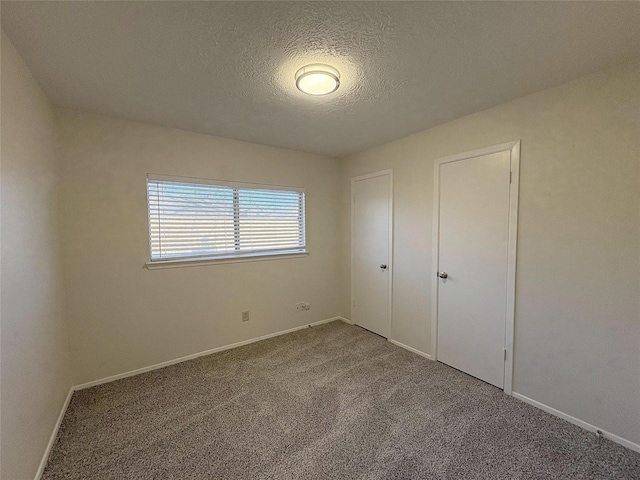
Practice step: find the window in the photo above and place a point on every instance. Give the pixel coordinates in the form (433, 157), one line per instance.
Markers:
(193, 219)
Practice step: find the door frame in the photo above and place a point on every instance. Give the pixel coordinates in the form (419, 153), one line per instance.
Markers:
(514, 149)
(367, 176)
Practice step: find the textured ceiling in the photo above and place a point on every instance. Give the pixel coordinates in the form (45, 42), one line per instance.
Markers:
(227, 68)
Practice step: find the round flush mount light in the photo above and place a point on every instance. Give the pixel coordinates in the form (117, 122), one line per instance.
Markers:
(317, 79)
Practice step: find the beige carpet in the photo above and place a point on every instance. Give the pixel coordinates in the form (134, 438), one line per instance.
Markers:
(329, 402)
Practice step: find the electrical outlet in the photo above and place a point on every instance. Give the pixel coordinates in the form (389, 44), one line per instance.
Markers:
(306, 306)
(245, 316)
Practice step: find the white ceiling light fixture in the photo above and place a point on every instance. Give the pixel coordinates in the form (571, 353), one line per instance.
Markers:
(317, 79)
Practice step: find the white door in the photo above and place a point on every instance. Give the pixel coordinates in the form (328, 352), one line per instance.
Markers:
(371, 247)
(474, 215)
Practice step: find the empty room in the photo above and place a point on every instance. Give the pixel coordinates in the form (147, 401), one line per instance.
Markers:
(320, 240)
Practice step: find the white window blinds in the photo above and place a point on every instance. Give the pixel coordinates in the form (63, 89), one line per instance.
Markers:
(190, 219)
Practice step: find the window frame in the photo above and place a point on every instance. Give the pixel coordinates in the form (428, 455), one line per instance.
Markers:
(227, 257)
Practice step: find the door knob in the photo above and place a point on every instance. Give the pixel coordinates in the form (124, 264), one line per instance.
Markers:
(442, 274)
(383, 266)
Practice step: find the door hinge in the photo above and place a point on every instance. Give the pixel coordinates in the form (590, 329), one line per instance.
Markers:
(505, 354)
(510, 176)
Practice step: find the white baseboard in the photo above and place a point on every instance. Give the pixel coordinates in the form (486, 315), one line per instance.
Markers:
(411, 349)
(138, 371)
(345, 320)
(576, 421)
(54, 434)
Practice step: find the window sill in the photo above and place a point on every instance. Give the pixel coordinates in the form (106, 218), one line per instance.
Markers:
(256, 257)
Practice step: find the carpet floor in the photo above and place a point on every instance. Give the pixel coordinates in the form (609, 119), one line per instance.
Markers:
(328, 402)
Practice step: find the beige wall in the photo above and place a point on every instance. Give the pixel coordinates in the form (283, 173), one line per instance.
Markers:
(577, 338)
(123, 316)
(36, 367)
